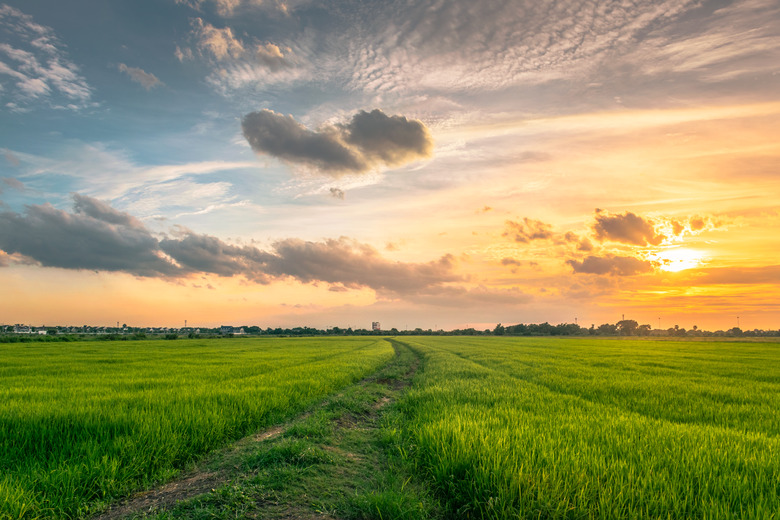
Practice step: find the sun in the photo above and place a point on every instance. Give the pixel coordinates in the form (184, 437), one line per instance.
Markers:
(679, 259)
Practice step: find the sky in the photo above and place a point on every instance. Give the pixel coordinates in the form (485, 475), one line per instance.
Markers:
(432, 164)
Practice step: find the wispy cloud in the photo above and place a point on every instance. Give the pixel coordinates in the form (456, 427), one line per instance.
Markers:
(461, 46)
(237, 62)
(739, 39)
(140, 76)
(230, 8)
(36, 69)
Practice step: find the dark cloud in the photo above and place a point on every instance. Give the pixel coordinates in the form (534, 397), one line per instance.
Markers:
(55, 238)
(369, 140)
(627, 228)
(528, 230)
(336, 193)
(281, 136)
(612, 265)
(98, 210)
(353, 265)
(207, 254)
(511, 261)
(98, 237)
(140, 76)
(392, 140)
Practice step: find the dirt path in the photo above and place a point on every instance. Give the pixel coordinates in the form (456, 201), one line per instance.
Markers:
(354, 409)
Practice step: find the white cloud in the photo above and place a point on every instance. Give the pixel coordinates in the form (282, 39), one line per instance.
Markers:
(42, 70)
(100, 172)
(215, 42)
(462, 46)
(741, 39)
(229, 8)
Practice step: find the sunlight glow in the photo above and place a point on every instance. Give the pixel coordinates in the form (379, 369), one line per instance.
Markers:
(679, 259)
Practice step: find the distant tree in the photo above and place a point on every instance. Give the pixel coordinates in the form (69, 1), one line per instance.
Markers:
(643, 330)
(499, 330)
(607, 329)
(627, 327)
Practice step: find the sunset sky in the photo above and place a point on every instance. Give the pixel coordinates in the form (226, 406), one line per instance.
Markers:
(418, 163)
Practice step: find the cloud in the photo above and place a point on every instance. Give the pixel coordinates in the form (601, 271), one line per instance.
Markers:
(183, 54)
(207, 254)
(101, 211)
(353, 265)
(698, 223)
(528, 230)
(336, 193)
(98, 237)
(14, 183)
(513, 42)
(368, 140)
(392, 140)
(612, 265)
(627, 228)
(271, 56)
(145, 79)
(219, 43)
(737, 40)
(11, 158)
(282, 137)
(511, 261)
(228, 8)
(238, 63)
(55, 238)
(38, 68)
(583, 244)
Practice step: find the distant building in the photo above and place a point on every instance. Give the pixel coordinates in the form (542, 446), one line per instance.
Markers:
(375, 325)
(22, 329)
(228, 329)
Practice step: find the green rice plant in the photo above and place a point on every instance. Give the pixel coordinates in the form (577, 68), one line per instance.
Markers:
(84, 423)
(554, 428)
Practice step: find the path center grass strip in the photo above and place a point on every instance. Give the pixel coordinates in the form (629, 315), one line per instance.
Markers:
(559, 429)
(84, 423)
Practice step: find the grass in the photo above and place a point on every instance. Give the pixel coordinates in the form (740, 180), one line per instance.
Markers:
(556, 428)
(339, 460)
(493, 428)
(84, 423)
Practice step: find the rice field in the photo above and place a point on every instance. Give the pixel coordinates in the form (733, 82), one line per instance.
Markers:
(597, 429)
(84, 423)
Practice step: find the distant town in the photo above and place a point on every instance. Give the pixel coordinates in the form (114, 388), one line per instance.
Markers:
(22, 333)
